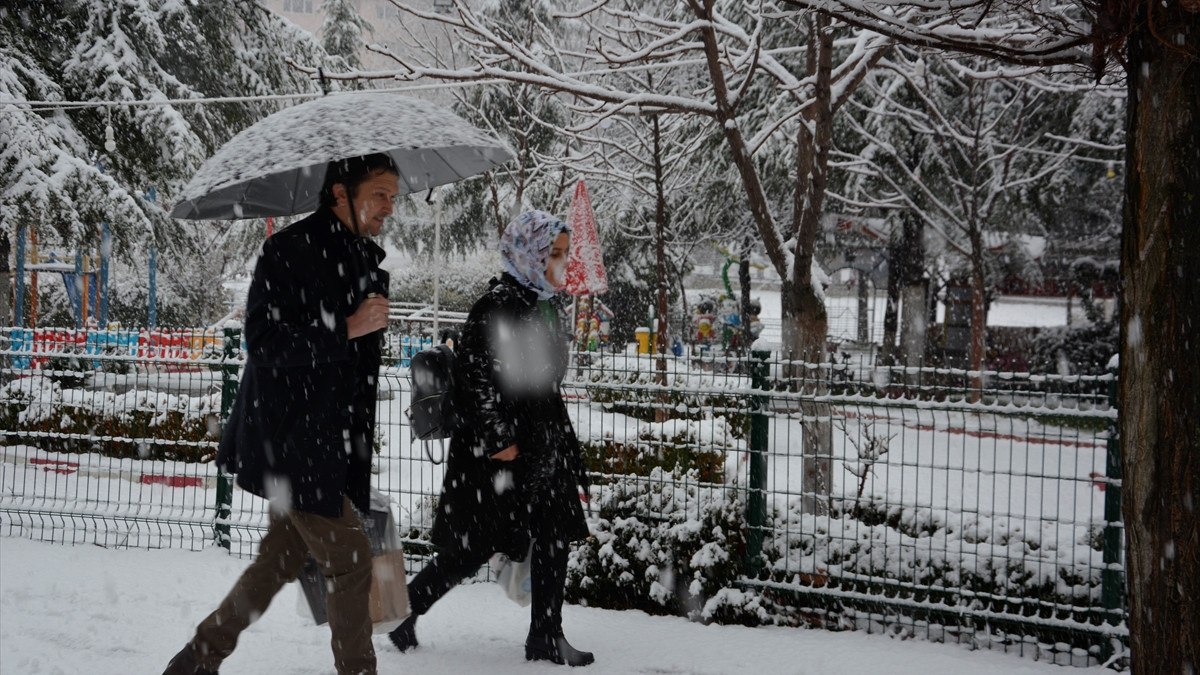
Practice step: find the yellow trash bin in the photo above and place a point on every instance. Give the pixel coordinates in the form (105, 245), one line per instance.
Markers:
(643, 339)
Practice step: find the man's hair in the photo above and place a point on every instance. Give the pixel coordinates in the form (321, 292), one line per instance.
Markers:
(352, 172)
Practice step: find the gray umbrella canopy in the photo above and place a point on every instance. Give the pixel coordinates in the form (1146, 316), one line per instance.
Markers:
(276, 167)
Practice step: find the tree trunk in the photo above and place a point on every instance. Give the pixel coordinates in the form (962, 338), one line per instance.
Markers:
(747, 336)
(887, 352)
(865, 297)
(6, 286)
(1160, 318)
(914, 323)
(810, 319)
(978, 314)
(660, 258)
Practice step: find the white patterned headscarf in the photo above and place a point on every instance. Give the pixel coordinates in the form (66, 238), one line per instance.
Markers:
(525, 248)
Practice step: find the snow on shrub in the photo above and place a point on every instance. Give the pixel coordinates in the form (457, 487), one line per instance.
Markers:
(115, 425)
(665, 544)
(671, 445)
(991, 562)
(460, 284)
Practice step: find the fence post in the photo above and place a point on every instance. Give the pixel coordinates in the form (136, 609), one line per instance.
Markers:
(229, 387)
(1112, 578)
(756, 502)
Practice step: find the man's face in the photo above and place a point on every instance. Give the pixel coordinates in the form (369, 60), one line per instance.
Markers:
(373, 201)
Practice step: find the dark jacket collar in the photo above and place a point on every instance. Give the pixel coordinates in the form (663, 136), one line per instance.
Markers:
(507, 285)
(323, 225)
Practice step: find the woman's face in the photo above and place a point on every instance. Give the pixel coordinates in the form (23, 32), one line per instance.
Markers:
(556, 264)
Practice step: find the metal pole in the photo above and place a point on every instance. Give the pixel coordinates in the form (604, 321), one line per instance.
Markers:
(437, 258)
(756, 500)
(864, 301)
(152, 302)
(80, 284)
(19, 303)
(105, 251)
(1112, 578)
(229, 388)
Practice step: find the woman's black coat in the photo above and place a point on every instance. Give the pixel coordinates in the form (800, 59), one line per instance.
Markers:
(301, 427)
(509, 364)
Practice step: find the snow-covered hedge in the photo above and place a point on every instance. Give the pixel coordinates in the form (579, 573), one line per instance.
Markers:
(671, 544)
(137, 424)
(988, 562)
(698, 421)
(666, 544)
(460, 283)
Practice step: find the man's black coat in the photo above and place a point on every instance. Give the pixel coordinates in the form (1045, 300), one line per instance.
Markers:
(301, 429)
(508, 367)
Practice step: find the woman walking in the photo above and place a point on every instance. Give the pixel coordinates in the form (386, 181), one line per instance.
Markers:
(514, 471)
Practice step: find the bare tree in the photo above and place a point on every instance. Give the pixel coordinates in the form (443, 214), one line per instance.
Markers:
(724, 57)
(727, 49)
(1158, 45)
(982, 137)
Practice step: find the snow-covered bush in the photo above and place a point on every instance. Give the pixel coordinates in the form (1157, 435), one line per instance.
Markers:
(984, 562)
(137, 424)
(461, 281)
(673, 445)
(1075, 350)
(699, 421)
(669, 544)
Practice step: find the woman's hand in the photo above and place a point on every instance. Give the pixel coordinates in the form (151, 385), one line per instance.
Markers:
(506, 455)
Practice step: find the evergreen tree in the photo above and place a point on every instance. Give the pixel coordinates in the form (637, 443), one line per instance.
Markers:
(57, 176)
(342, 32)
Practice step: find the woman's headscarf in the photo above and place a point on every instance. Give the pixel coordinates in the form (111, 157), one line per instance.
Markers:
(525, 248)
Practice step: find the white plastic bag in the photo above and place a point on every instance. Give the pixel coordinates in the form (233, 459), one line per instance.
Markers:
(388, 600)
(516, 578)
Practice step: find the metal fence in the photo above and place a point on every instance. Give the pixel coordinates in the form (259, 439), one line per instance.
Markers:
(974, 507)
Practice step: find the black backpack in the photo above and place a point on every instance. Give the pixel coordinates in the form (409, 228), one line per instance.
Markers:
(431, 413)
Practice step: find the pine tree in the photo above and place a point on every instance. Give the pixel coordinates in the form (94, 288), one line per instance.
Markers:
(55, 173)
(342, 31)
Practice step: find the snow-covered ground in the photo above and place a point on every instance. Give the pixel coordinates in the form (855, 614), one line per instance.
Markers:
(1012, 311)
(86, 609)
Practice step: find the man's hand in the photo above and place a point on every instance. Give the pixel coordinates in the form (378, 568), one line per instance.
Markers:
(506, 455)
(371, 315)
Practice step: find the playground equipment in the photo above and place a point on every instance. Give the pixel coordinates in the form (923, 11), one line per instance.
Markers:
(717, 318)
(84, 273)
(593, 323)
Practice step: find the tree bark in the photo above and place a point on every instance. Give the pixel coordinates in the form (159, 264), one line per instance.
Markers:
(913, 301)
(1159, 395)
(660, 258)
(891, 312)
(978, 313)
(6, 286)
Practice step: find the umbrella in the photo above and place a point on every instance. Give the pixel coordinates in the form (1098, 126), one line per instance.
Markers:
(276, 166)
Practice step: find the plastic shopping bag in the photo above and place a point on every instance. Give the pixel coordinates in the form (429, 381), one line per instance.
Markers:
(389, 583)
(516, 578)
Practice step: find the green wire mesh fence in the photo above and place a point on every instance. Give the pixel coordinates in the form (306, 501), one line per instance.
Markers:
(974, 507)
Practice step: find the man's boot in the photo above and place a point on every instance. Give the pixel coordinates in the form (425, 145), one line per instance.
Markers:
(187, 662)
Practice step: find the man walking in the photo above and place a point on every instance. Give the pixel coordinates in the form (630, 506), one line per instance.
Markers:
(301, 429)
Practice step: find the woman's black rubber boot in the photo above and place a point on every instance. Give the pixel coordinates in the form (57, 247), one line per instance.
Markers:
(555, 649)
(405, 635)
